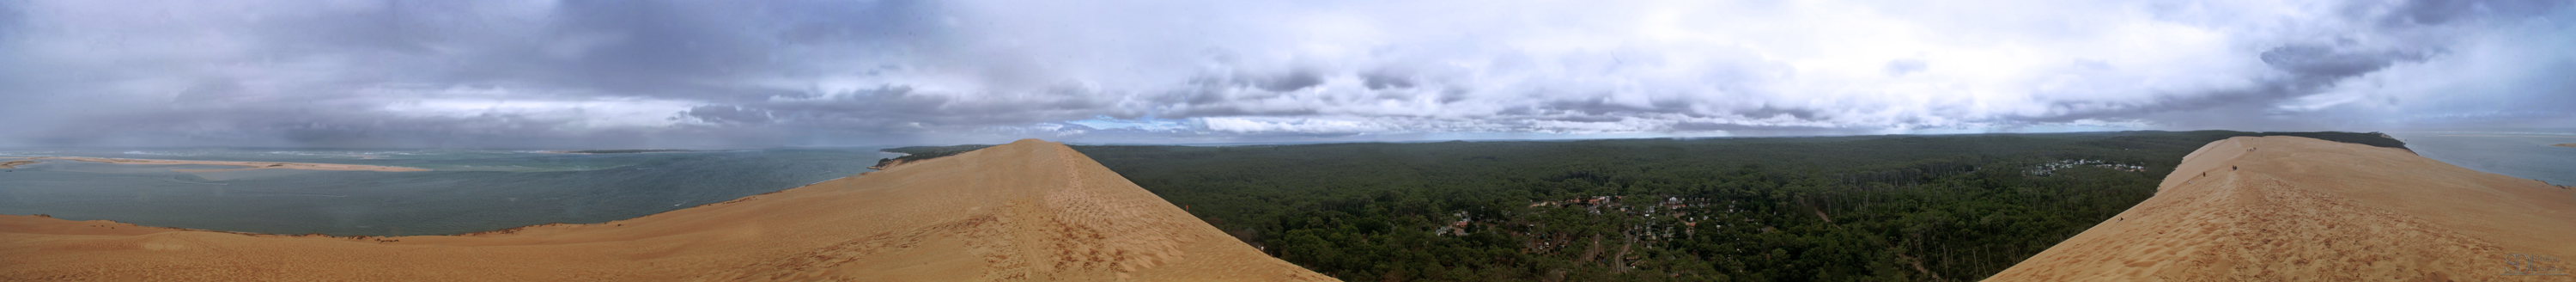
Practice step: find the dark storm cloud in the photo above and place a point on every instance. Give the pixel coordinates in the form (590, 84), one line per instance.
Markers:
(1381, 80)
(1596, 109)
(2321, 62)
(690, 49)
(2438, 12)
(2311, 69)
(1292, 81)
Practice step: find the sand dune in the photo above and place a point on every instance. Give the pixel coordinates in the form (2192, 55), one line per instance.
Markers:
(1030, 210)
(244, 165)
(2290, 208)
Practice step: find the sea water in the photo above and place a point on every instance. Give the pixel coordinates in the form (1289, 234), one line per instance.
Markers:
(466, 191)
(2521, 155)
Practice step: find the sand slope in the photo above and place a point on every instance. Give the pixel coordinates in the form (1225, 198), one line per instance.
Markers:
(1030, 210)
(2298, 209)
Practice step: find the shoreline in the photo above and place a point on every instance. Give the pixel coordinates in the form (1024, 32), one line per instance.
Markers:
(2570, 145)
(244, 165)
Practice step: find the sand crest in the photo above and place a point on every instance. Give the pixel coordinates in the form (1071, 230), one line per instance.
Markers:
(1028, 211)
(2297, 209)
(244, 165)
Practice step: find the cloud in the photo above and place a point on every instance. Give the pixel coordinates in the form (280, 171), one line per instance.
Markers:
(1901, 67)
(728, 74)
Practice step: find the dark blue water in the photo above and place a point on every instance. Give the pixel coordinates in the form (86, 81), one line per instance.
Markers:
(469, 191)
(2522, 155)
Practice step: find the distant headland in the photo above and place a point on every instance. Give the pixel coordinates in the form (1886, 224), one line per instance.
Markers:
(922, 153)
(617, 151)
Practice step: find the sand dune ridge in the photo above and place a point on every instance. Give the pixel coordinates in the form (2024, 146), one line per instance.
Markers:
(1028, 211)
(2284, 208)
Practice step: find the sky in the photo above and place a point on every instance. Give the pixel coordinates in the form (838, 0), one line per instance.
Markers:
(733, 74)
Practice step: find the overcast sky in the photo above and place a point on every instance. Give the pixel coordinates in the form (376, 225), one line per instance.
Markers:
(703, 74)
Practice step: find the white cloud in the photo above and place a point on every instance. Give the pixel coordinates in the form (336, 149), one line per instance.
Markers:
(571, 113)
(1289, 125)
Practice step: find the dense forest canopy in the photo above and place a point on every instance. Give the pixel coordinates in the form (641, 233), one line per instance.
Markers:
(1892, 208)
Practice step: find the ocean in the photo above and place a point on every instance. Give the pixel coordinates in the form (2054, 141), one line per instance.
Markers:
(467, 191)
(2522, 155)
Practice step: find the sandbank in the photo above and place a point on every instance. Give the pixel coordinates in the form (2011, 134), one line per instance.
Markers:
(2565, 145)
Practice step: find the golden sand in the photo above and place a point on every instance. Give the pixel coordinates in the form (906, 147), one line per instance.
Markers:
(1028, 211)
(244, 165)
(2298, 209)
